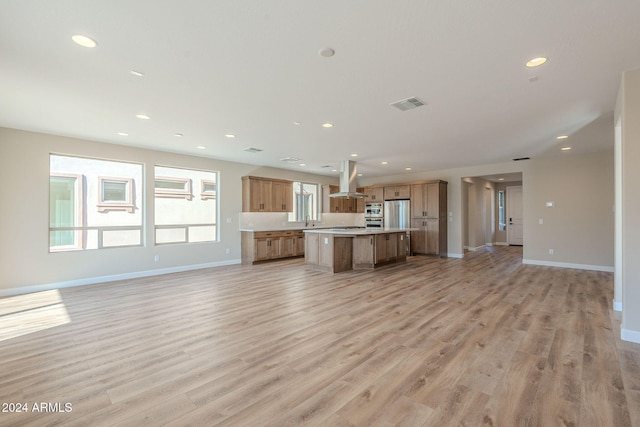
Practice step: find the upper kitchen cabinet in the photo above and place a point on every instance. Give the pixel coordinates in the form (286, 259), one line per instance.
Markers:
(397, 192)
(429, 200)
(376, 194)
(339, 204)
(266, 195)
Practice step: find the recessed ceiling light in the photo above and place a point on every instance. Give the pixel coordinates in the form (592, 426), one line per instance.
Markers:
(201, 147)
(535, 62)
(143, 116)
(566, 148)
(303, 164)
(137, 73)
(407, 169)
(359, 174)
(384, 163)
(334, 170)
(327, 52)
(500, 179)
(229, 135)
(354, 154)
(123, 134)
(84, 41)
(178, 135)
(297, 123)
(562, 137)
(327, 125)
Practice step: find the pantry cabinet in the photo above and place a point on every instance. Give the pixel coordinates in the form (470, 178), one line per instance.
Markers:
(429, 218)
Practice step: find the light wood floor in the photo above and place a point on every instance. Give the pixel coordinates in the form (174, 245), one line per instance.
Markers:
(484, 341)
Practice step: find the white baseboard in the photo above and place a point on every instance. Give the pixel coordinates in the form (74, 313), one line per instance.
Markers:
(111, 278)
(452, 255)
(569, 265)
(629, 335)
(473, 249)
(617, 306)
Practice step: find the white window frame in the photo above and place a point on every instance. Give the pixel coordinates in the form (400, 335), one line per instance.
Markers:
(184, 193)
(125, 205)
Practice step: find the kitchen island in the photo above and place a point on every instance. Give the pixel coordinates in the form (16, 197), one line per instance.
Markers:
(340, 249)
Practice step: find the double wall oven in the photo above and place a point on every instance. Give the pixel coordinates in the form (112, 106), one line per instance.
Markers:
(374, 215)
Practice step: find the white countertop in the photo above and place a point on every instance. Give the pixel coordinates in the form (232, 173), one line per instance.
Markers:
(358, 231)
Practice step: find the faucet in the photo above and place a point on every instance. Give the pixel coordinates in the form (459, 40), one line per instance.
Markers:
(306, 220)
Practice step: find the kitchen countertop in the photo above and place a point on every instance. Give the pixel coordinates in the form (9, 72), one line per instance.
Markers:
(253, 230)
(358, 231)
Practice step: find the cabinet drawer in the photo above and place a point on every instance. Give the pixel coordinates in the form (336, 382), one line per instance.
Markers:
(264, 234)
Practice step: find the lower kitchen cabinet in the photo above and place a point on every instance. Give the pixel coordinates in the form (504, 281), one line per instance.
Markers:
(429, 236)
(269, 245)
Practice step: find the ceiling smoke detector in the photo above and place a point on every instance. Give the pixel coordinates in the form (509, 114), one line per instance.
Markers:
(408, 104)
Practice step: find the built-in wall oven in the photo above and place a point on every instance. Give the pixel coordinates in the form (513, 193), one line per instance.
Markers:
(374, 222)
(373, 210)
(374, 215)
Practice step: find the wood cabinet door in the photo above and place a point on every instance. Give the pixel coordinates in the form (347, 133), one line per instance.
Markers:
(260, 195)
(363, 252)
(287, 246)
(432, 205)
(299, 246)
(418, 201)
(311, 248)
(392, 245)
(433, 236)
(418, 236)
(261, 248)
(282, 196)
(381, 247)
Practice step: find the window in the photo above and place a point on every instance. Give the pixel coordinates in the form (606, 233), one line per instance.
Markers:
(209, 189)
(88, 209)
(65, 211)
(305, 202)
(115, 194)
(179, 217)
(175, 187)
(502, 224)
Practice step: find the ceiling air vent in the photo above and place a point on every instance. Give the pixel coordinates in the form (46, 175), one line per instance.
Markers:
(517, 159)
(408, 104)
(252, 150)
(290, 159)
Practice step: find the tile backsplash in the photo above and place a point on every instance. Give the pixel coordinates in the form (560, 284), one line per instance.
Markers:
(277, 220)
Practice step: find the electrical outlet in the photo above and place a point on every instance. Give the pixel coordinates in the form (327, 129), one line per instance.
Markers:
(228, 251)
(156, 258)
(551, 251)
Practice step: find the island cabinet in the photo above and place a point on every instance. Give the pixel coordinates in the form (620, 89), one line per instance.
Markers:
(266, 195)
(429, 218)
(261, 246)
(335, 252)
(397, 192)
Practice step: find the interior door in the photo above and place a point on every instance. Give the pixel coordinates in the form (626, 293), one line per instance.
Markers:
(514, 215)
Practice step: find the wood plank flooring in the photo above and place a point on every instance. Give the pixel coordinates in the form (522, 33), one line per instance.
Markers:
(479, 341)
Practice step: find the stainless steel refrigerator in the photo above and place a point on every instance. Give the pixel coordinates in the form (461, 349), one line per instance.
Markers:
(397, 214)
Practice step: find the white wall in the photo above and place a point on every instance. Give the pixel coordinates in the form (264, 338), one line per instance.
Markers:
(628, 112)
(25, 261)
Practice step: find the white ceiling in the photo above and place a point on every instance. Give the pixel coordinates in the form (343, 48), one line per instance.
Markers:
(252, 68)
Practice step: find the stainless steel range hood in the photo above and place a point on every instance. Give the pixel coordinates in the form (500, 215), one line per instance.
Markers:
(348, 181)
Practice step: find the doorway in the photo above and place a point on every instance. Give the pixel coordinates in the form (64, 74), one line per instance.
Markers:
(514, 213)
(486, 211)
